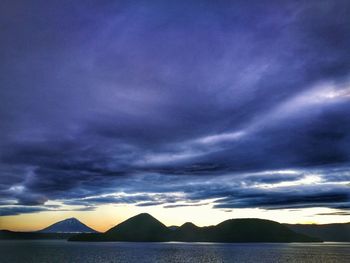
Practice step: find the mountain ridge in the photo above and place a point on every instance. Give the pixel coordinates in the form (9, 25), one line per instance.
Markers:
(146, 228)
(188, 232)
(335, 232)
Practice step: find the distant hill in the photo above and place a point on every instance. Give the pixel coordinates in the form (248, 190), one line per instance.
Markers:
(328, 232)
(188, 232)
(145, 228)
(255, 230)
(140, 228)
(173, 227)
(61, 230)
(70, 225)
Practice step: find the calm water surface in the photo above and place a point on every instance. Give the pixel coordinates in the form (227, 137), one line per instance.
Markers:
(63, 251)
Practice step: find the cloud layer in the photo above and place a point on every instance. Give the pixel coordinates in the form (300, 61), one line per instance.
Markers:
(174, 104)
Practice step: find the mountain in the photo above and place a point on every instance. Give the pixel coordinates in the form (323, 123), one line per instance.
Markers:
(188, 232)
(173, 227)
(140, 228)
(328, 232)
(255, 230)
(61, 230)
(239, 230)
(70, 225)
(145, 228)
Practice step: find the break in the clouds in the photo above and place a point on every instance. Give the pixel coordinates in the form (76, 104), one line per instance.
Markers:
(241, 104)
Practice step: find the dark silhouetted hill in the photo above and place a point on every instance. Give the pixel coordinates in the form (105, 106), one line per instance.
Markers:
(145, 228)
(328, 232)
(140, 228)
(255, 230)
(188, 232)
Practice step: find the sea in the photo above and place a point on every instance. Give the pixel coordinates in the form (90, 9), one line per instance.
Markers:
(39, 251)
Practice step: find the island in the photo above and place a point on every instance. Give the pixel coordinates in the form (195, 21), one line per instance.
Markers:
(146, 228)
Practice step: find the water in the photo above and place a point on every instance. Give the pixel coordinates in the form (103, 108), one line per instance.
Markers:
(63, 251)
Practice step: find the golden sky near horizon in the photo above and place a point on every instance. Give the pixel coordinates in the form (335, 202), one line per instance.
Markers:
(108, 216)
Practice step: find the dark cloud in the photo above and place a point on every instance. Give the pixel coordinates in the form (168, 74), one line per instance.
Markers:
(184, 205)
(11, 211)
(106, 97)
(19, 209)
(31, 199)
(282, 200)
(340, 213)
(150, 203)
(138, 199)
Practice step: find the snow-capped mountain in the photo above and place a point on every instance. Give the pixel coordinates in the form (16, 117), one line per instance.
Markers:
(70, 225)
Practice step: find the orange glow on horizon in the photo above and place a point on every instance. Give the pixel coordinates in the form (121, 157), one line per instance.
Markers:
(108, 216)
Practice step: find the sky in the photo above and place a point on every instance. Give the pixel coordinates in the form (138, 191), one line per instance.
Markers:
(190, 110)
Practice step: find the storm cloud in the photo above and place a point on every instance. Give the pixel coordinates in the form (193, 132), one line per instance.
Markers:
(246, 104)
